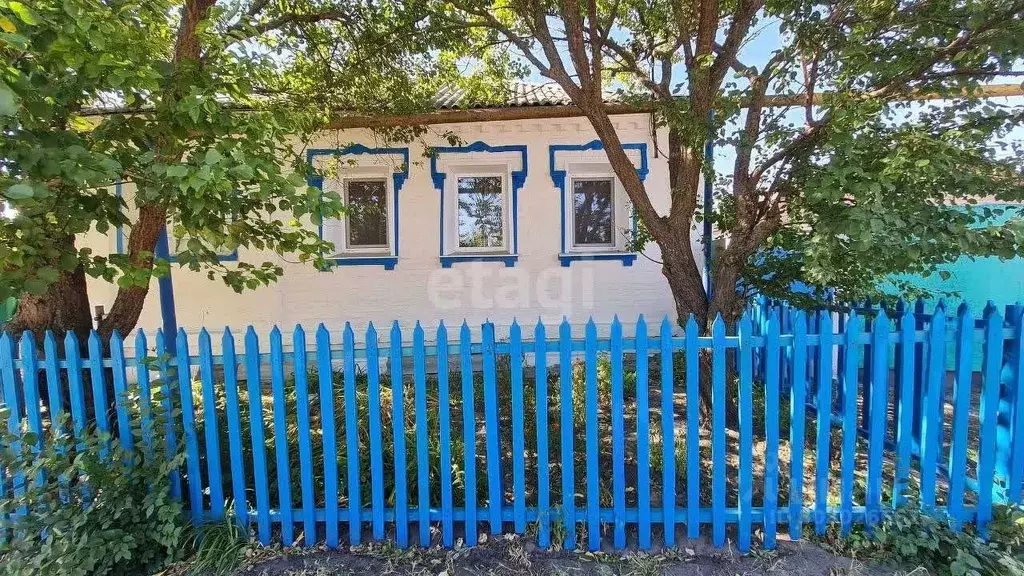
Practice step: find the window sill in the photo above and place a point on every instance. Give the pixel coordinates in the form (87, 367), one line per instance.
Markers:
(627, 258)
(388, 262)
(509, 259)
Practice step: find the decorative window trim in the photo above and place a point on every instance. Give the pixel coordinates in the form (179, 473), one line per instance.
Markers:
(560, 176)
(119, 239)
(516, 178)
(398, 179)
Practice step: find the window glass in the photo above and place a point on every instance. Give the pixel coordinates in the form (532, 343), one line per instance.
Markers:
(481, 212)
(592, 212)
(367, 213)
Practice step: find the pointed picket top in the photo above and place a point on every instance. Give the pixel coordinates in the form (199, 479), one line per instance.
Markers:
(854, 327)
(371, 333)
(115, 335)
(140, 341)
(961, 309)
(27, 343)
(298, 337)
(539, 330)
(641, 325)
(251, 339)
(396, 332)
(565, 323)
(745, 326)
(275, 336)
(907, 312)
(990, 309)
(227, 340)
(591, 328)
(514, 331)
(774, 325)
(666, 324)
(799, 322)
(417, 332)
(322, 332)
(204, 337)
(50, 342)
(464, 332)
(182, 337)
(964, 317)
(718, 327)
(616, 330)
(442, 333)
(161, 346)
(94, 338)
(692, 329)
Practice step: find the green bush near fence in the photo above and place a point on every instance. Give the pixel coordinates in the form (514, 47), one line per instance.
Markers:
(93, 506)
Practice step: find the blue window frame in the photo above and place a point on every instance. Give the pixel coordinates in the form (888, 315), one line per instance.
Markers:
(563, 179)
(399, 175)
(509, 251)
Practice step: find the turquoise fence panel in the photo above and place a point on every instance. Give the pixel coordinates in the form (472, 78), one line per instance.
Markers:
(621, 490)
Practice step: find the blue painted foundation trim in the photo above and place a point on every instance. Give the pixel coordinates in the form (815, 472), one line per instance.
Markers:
(398, 179)
(518, 179)
(509, 259)
(559, 176)
(627, 258)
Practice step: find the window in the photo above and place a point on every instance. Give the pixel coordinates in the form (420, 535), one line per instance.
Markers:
(367, 213)
(481, 213)
(593, 213)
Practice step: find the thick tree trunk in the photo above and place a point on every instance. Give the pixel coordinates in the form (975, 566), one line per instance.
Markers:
(127, 307)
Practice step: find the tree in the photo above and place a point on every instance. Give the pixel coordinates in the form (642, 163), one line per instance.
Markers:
(837, 180)
(203, 105)
(840, 167)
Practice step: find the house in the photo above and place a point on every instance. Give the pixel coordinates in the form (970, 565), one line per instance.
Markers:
(524, 219)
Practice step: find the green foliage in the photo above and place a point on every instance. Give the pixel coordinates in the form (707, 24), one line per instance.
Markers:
(93, 506)
(912, 539)
(218, 546)
(93, 93)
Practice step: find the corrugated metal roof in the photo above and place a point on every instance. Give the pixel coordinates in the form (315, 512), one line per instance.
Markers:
(520, 94)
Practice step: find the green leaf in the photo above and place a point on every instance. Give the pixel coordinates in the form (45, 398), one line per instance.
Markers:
(24, 12)
(20, 191)
(8, 100)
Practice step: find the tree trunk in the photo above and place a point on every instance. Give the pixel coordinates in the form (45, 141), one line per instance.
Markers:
(127, 307)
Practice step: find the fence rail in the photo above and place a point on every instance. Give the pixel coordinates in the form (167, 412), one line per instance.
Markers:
(576, 438)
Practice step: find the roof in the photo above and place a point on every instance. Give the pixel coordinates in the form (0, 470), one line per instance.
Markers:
(521, 94)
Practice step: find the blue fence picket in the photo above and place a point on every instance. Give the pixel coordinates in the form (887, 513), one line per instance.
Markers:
(568, 465)
(851, 367)
(30, 385)
(53, 380)
(495, 494)
(770, 360)
(145, 391)
(643, 436)
(398, 436)
(961, 411)
(355, 501)
(991, 368)
(118, 370)
(167, 390)
(931, 416)
(541, 400)
(419, 372)
(99, 392)
(329, 439)
(376, 436)
(668, 441)
(188, 424)
(444, 423)
(718, 402)
(302, 422)
(824, 406)
(1016, 475)
(284, 484)
(256, 434)
(618, 442)
(211, 430)
(905, 431)
(878, 414)
(10, 391)
(692, 428)
(797, 409)
(518, 441)
(746, 451)
(227, 343)
(593, 456)
(468, 433)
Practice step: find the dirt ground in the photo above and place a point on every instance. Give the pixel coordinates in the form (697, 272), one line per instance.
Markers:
(518, 556)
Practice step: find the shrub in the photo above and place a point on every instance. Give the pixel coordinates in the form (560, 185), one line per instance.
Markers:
(87, 505)
(909, 537)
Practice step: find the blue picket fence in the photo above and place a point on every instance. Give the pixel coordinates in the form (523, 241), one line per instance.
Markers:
(578, 437)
